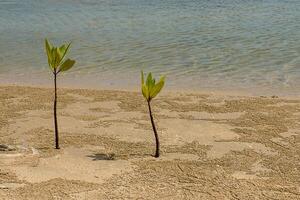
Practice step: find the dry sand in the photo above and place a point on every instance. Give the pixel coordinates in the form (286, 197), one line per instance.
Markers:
(213, 146)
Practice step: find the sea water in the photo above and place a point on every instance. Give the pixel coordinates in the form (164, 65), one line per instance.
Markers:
(197, 44)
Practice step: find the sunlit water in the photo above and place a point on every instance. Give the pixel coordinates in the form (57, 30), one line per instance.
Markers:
(198, 44)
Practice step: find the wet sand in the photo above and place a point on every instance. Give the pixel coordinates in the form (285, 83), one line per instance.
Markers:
(214, 146)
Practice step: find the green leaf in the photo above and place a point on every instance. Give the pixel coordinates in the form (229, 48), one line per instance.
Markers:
(150, 82)
(58, 56)
(150, 89)
(48, 48)
(64, 50)
(145, 92)
(68, 64)
(53, 58)
(142, 77)
(157, 88)
(149, 79)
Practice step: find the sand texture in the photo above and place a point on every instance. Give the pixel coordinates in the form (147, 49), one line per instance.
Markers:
(213, 146)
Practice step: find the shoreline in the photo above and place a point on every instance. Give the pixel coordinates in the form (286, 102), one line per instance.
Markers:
(211, 91)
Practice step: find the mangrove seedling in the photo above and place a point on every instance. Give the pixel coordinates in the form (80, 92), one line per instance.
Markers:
(57, 64)
(150, 89)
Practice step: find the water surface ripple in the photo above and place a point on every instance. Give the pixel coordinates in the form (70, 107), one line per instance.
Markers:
(220, 44)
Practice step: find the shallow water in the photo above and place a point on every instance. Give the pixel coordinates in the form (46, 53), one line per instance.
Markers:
(218, 44)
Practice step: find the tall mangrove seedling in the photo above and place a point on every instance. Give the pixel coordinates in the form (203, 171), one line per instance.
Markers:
(150, 89)
(57, 64)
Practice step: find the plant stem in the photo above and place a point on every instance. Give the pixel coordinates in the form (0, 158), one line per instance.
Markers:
(55, 116)
(154, 130)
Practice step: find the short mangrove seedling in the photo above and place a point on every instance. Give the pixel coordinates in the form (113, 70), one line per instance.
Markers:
(57, 64)
(150, 89)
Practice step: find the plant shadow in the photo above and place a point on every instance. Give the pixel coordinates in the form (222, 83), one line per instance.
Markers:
(142, 155)
(102, 156)
(6, 148)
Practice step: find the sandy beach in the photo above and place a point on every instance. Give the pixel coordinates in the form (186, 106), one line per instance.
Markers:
(214, 146)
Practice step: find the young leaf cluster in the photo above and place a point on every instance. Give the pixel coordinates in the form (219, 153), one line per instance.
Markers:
(150, 88)
(56, 56)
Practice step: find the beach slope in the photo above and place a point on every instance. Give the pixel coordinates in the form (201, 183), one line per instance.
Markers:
(213, 146)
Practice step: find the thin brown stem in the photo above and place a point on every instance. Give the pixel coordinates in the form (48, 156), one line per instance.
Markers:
(55, 115)
(155, 132)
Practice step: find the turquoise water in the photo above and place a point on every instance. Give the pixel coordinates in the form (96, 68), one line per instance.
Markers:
(219, 44)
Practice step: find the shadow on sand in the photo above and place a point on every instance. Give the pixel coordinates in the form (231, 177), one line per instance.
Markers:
(102, 156)
(112, 156)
